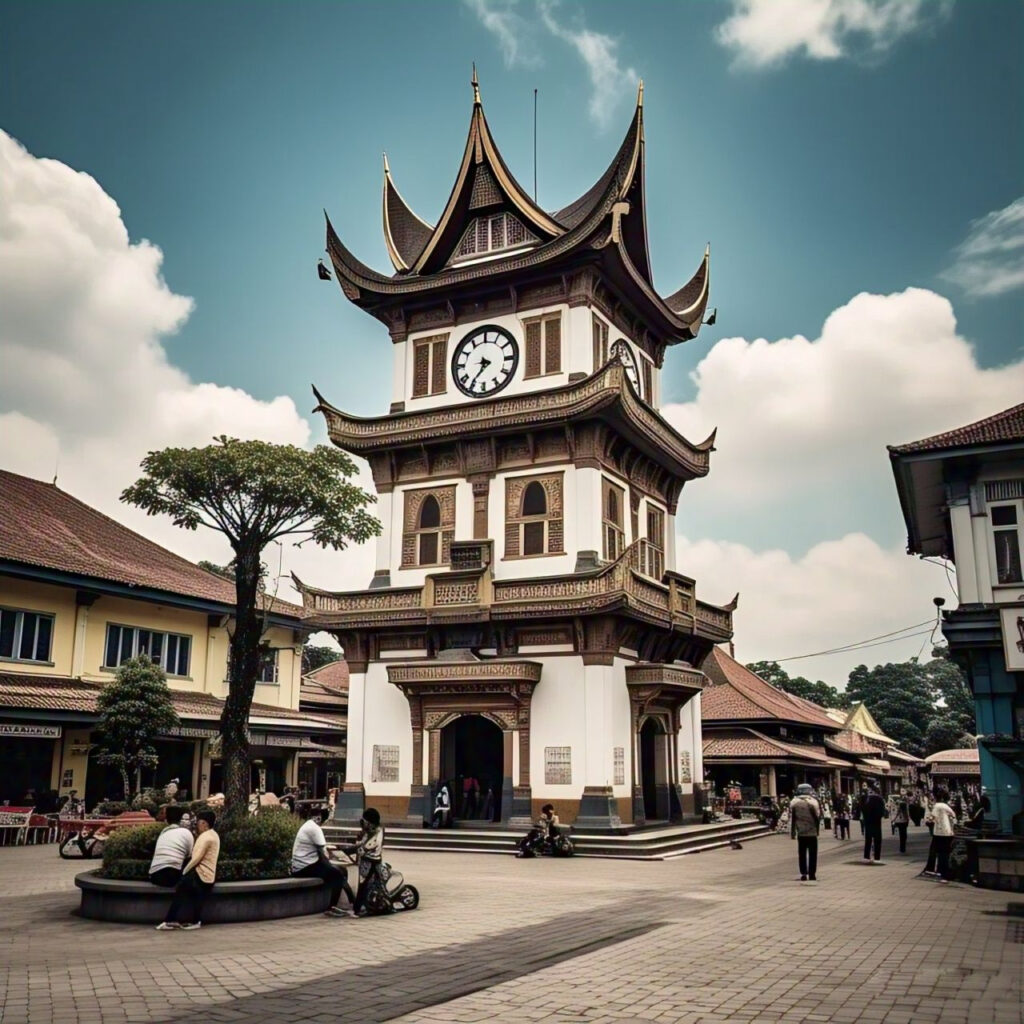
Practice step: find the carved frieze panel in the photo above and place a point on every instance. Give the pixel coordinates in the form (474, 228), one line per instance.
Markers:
(402, 642)
(557, 636)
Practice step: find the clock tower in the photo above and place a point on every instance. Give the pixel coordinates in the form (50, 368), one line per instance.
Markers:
(526, 637)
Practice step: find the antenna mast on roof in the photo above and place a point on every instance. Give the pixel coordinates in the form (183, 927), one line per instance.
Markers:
(535, 145)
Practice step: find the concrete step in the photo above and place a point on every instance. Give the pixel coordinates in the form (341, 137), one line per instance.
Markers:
(640, 844)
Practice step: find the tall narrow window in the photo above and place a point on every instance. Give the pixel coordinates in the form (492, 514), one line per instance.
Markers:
(543, 346)
(429, 525)
(429, 365)
(533, 516)
(1006, 535)
(653, 563)
(268, 665)
(600, 329)
(612, 516)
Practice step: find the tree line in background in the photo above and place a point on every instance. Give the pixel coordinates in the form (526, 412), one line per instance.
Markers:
(924, 706)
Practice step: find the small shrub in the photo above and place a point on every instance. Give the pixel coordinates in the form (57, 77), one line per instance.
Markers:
(130, 844)
(130, 870)
(245, 870)
(111, 808)
(267, 837)
(126, 870)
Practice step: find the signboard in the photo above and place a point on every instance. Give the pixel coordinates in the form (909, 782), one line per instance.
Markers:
(1012, 620)
(619, 762)
(385, 763)
(288, 741)
(27, 731)
(188, 732)
(558, 766)
(685, 771)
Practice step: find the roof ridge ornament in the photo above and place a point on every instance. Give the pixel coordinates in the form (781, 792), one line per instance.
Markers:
(640, 93)
(476, 86)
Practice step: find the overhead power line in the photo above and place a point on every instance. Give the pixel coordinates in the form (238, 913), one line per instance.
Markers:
(871, 641)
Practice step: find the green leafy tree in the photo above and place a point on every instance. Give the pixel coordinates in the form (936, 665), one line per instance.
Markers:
(225, 571)
(820, 692)
(954, 690)
(944, 733)
(902, 697)
(253, 493)
(315, 656)
(135, 708)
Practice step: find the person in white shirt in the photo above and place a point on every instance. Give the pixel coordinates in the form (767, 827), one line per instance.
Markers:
(173, 850)
(942, 836)
(310, 860)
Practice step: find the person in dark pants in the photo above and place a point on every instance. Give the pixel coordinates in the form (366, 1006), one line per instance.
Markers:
(310, 860)
(872, 811)
(173, 849)
(186, 911)
(369, 848)
(901, 819)
(804, 824)
(942, 835)
(842, 813)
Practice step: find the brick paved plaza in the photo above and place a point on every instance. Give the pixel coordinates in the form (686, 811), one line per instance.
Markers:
(722, 936)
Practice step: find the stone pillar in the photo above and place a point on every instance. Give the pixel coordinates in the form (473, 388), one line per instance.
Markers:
(508, 778)
(420, 808)
(598, 806)
(382, 563)
(773, 789)
(352, 798)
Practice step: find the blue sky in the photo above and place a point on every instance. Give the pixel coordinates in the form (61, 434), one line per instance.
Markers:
(820, 160)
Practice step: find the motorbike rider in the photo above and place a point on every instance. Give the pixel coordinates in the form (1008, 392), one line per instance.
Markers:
(546, 829)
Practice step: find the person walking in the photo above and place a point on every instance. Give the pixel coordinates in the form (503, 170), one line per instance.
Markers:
(186, 910)
(901, 819)
(872, 811)
(804, 825)
(842, 816)
(942, 836)
(310, 860)
(369, 849)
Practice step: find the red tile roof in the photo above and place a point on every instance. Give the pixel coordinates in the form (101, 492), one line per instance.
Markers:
(1000, 428)
(749, 743)
(852, 743)
(59, 693)
(968, 754)
(42, 526)
(332, 676)
(737, 694)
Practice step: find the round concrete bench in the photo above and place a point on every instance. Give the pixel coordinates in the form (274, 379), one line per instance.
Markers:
(111, 899)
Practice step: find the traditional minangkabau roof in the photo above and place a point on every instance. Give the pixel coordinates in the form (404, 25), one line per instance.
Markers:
(21, 691)
(966, 755)
(860, 720)
(737, 694)
(609, 220)
(851, 742)
(45, 528)
(606, 393)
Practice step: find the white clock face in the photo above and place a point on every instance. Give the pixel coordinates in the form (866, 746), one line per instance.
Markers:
(485, 361)
(628, 360)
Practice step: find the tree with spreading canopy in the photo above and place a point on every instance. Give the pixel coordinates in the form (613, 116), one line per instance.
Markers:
(315, 656)
(820, 692)
(135, 708)
(253, 493)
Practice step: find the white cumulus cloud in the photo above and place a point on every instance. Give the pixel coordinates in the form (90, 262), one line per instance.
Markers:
(990, 260)
(766, 33)
(839, 592)
(515, 36)
(86, 384)
(804, 423)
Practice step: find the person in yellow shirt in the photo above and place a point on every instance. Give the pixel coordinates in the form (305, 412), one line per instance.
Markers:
(186, 910)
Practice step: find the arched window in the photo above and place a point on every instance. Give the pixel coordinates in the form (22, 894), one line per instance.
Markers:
(533, 516)
(614, 528)
(429, 526)
(535, 501)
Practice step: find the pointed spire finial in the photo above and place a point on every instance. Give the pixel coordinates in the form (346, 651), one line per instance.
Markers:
(387, 166)
(476, 85)
(707, 250)
(640, 94)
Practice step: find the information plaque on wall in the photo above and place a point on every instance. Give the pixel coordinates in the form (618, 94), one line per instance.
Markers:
(385, 763)
(557, 766)
(685, 772)
(619, 762)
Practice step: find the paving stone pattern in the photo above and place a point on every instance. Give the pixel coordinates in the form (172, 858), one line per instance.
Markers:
(717, 937)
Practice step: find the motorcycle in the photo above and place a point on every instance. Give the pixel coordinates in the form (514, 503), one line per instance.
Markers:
(537, 844)
(388, 892)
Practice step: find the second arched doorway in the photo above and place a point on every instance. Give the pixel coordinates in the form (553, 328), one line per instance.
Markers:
(654, 769)
(472, 758)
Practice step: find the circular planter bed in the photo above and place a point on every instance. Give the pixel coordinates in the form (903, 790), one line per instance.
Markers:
(112, 899)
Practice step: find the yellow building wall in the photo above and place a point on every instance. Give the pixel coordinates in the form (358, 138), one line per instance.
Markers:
(74, 757)
(23, 595)
(209, 645)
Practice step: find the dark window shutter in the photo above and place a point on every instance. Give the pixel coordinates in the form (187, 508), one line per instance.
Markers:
(420, 370)
(533, 364)
(511, 540)
(553, 345)
(439, 367)
(648, 382)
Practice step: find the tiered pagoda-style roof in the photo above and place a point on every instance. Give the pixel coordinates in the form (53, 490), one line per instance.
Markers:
(606, 227)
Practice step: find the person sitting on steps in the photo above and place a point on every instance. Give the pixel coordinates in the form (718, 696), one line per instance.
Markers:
(442, 816)
(546, 828)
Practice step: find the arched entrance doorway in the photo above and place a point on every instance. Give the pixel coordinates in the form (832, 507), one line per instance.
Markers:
(653, 769)
(472, 747)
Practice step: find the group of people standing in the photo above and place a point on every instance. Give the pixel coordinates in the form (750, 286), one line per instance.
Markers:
(807, 811)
